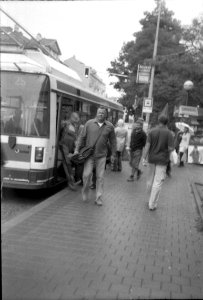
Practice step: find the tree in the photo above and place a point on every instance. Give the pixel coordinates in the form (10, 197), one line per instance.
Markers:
(193, 39)
(174, 64)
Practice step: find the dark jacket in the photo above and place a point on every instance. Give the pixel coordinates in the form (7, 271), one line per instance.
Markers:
(90, 133)
(138, 140)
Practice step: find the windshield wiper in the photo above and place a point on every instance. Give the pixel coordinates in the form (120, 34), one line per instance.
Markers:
(19, 69)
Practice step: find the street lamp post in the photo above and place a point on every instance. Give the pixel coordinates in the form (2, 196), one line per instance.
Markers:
(188, 85)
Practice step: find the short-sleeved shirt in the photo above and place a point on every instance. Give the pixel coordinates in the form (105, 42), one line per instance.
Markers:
(160, 140)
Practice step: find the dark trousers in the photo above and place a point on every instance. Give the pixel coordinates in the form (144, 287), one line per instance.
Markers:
(118, 160)
(67, 165)
(168, 168)
(116, 165)
(94, 177)
(79, 172)
(181, 155)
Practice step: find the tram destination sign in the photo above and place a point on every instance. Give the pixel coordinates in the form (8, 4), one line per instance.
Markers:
(143, 74)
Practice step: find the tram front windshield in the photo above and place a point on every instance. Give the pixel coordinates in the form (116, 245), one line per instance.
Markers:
(25, 107)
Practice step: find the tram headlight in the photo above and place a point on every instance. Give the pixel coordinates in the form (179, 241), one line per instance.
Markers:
(39, 154)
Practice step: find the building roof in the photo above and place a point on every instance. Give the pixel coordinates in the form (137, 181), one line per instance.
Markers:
(13, 38)
(52, 44)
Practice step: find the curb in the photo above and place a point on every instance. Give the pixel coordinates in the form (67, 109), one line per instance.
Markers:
(20, 218)
(197, 199)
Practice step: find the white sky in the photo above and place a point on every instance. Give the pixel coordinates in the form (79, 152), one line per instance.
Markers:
(94, 31)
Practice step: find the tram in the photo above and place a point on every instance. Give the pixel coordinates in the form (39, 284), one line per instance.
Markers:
(37, 94)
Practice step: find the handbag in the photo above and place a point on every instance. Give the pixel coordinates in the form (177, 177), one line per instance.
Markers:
(85, 152)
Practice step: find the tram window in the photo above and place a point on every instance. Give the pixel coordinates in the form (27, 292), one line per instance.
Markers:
(93, 111)
(25, 104)
(85, 114)
(66, 109)
(11, 115)
(83, 118)
(114, 117)
(77, 106)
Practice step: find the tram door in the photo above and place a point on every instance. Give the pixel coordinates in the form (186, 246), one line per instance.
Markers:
(65, 107)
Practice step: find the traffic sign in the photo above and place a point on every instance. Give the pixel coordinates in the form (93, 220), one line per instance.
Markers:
(148, 102)
(147, 105)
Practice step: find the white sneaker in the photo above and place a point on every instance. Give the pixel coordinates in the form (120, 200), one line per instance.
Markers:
(99, 202)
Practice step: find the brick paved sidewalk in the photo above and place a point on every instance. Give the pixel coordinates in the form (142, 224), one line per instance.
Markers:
(66, 249)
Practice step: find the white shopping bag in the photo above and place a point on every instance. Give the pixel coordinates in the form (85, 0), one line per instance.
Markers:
(174, 157)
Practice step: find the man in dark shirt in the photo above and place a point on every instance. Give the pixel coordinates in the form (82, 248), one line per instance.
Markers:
(137, 143)
(158, 148)
(91, 130)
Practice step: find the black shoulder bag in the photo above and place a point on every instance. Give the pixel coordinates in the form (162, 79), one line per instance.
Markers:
(85, 152)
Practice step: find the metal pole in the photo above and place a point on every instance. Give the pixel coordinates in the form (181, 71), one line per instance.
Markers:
(187, 98)
(150, 93)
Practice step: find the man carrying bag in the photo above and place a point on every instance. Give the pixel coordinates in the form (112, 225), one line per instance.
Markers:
(96, 134)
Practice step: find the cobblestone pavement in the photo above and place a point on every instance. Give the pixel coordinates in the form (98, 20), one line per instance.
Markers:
(67, 249)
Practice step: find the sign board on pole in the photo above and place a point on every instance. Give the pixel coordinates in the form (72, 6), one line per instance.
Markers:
(147, 105)
(147, 109)
(148, 102)
(143, 74)
(188, 110)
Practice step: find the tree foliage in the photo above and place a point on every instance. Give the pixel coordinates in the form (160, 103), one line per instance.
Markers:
(179, 58)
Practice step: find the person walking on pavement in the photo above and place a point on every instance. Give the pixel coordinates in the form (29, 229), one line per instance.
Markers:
(101, 129)
(177, 139)
(66, 146)
(137, 143)
(121, 139)
(184, 145)
(168, 168)
(78, 167)
(158, 148)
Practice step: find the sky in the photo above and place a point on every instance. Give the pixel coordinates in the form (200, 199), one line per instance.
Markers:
(93, 31)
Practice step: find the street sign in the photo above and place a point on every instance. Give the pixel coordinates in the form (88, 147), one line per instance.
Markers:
(148, 102)
(143, 74)
(147, 105)
(146, 109)
(188, 110)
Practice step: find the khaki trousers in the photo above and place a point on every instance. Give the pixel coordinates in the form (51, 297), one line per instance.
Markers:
(155, 178)
(87, 174)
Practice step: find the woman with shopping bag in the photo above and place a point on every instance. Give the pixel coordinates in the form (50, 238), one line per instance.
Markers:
(183, 147)
(121, 142)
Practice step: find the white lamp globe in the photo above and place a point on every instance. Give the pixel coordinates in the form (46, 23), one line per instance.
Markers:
(188, 85)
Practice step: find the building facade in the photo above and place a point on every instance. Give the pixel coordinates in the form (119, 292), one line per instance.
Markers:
(88, 75)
